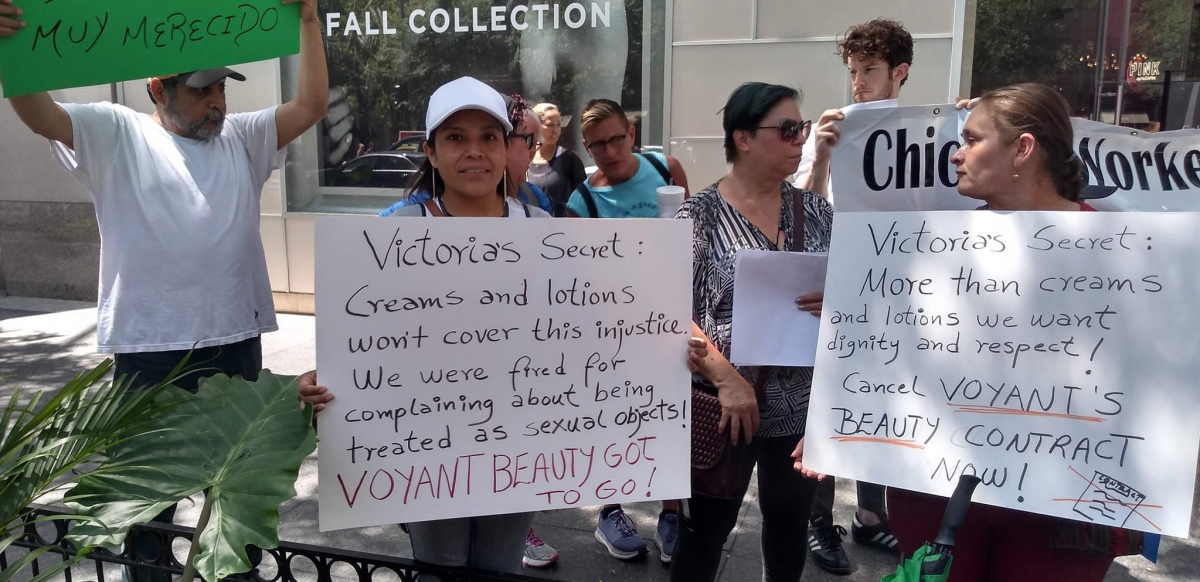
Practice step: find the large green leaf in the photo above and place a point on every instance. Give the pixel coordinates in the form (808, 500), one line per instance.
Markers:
(241, 442)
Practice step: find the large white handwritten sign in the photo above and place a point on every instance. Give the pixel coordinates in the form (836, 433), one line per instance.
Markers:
(485, 366)
(1054, 355)
(899, 159)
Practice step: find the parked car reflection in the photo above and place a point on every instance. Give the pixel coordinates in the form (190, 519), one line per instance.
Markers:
(412, 146)
(375, 170)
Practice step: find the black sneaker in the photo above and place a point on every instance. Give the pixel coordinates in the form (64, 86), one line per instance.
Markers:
(879, 535)
(825, 545)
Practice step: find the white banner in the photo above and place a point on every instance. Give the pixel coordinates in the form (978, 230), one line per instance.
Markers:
(1051, 354)
(899, 159)
(485, 366)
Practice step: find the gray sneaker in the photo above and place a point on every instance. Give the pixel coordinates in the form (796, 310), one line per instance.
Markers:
(664, 536)
(538, 554)
(619, 536)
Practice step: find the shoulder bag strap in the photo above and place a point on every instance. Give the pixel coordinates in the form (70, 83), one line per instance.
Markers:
(593, 212)
(662, 170)
(797, 218)
(431, 208)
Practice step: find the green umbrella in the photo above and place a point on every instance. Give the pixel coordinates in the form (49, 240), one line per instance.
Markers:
(931, 563)
(925, 565)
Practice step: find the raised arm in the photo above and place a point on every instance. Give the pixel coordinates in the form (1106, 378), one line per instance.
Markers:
(826, 134)
(38, 111)
(45, 117)
(312, 92)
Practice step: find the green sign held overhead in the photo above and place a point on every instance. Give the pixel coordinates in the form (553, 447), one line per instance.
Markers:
(76, 43)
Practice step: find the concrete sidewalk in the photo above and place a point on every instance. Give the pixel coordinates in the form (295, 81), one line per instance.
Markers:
(43, 343)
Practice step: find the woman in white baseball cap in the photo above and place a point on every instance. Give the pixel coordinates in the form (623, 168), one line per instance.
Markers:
(467, 131)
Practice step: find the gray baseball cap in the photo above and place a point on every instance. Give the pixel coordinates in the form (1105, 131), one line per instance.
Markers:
(206, 77)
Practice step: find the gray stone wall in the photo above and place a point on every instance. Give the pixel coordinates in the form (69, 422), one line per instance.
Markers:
(3, 288)
(49, 249)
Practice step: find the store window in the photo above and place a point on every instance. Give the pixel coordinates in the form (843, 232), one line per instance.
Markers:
(1127, 62)
(386, 58)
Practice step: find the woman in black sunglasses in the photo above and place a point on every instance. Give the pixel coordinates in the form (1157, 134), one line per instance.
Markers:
(522, 143)
(753, 207)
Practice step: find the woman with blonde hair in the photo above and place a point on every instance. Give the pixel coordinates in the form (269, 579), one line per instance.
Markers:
(555, 169)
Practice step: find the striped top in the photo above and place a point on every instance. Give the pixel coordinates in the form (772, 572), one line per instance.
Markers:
(719, 232)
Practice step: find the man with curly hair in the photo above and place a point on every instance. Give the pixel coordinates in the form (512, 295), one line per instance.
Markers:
(878, 55)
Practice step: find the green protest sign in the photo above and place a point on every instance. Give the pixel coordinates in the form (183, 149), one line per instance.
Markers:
(75, 43)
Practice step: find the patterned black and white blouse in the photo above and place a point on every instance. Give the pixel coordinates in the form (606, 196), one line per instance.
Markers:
(719, 232)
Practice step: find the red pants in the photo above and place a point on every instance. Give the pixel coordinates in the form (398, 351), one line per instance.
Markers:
(994, 544)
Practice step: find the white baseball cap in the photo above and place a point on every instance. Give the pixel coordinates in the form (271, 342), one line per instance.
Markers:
(460, 94)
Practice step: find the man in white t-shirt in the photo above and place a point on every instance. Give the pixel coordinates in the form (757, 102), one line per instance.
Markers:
(878, 55)
(177, 201)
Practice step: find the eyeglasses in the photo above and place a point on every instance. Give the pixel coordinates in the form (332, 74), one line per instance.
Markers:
(790, 128)
(530, 143)
(599, 146)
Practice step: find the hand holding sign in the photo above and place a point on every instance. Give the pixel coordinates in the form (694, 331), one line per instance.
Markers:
(827, 133)
(9, 26)
(798, 463)
(308, 9)
(697, 353)
(312, 392)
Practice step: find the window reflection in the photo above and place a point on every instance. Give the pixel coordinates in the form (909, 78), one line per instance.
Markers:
(382, 72)
(1127, 62)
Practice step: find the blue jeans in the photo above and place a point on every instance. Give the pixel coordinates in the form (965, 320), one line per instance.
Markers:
(492, 542)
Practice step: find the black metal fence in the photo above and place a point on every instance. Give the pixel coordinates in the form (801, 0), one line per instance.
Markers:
(289, 562)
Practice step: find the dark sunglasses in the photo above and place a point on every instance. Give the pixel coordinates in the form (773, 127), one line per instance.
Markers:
(790, 128)
(528, 137)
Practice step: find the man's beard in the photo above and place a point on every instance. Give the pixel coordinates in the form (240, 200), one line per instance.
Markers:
(199, 130)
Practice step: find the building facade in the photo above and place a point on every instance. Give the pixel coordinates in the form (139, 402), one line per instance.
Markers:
(670, 63)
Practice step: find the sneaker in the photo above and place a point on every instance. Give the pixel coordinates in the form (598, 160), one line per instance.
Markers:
(617, 532)
(538, 554)
(879, 535)
(664, 536)
(825, 544)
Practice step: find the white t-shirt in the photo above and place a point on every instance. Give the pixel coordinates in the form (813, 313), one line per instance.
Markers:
(809, 152)
(181, 260)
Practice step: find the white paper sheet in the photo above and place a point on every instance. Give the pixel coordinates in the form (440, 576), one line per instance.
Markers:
(768, 329)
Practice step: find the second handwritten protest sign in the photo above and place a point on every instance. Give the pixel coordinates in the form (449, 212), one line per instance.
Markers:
(1051, 354)
(74, 43)
(485, 366)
